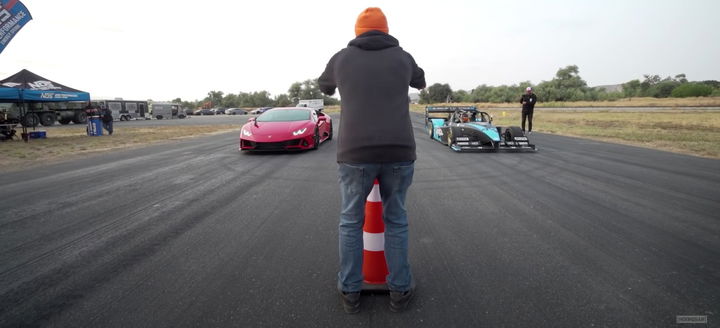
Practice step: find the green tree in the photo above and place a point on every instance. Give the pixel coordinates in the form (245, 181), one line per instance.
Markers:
(664, 88)
(631, 88)
(215, 97)
(692, 90)
(310, 90)
(481, 93)
(282, 100)
(713, 83)
(436, 93)
(261, 99)
(681, 78)
(230, 100)
(460, 96)
(294, 91)
(566, 86)
(330, 101)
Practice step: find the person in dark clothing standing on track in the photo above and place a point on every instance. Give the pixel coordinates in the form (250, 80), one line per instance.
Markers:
(528, 101)
(373, 74)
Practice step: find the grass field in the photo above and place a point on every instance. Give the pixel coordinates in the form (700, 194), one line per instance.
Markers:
(72, 142)
(628, 102)
(694, 132)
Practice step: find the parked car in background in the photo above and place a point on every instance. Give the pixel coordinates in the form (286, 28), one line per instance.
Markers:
(260, 110)
(218, 111)
(204, 111)
(235, 111)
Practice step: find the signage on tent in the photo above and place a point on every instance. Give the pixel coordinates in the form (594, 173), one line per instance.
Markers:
(42, 85)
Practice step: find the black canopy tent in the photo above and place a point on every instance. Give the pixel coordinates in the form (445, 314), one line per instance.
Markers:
(26, 87)
(33, 87)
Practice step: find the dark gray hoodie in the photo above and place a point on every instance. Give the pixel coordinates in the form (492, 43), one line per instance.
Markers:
(373, 74)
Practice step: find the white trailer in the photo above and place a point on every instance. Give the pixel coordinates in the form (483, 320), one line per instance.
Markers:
(317, 104)
(124, 110)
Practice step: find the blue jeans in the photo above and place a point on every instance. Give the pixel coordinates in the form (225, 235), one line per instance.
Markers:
(356, 182)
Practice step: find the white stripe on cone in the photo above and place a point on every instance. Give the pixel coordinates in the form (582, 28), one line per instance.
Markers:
(374, 242)
(374, 194)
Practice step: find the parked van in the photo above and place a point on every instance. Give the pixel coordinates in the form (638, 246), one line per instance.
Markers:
(161, 111)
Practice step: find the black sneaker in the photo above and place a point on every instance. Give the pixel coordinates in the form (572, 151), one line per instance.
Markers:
(351, 302)
(399, 300)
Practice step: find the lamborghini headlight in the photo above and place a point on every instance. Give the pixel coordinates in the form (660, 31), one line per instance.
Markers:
(246, 133)
(299, 132)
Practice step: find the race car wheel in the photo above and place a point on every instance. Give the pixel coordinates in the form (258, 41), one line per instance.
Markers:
(514, 131)
(506, 135)
(316, 139)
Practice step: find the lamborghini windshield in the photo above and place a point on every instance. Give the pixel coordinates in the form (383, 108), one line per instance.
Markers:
(284, 115)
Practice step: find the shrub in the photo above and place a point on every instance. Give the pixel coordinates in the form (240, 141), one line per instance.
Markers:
(692, 90)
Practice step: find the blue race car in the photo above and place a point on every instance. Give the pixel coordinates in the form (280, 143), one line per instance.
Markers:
(464, 128)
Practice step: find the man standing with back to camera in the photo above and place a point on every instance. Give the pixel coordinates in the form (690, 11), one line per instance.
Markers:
(375, 141)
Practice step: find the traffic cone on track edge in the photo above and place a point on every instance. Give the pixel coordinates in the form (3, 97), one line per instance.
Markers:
(375, 269)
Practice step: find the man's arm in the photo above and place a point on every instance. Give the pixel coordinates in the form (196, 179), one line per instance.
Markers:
(418, 75)
(326, 81)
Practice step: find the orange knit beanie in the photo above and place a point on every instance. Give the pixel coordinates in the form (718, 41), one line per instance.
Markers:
(371, 19)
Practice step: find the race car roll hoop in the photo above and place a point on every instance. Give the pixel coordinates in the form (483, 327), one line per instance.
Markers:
(464, 128)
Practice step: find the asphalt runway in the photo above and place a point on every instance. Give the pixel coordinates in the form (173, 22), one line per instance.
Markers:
(196, 234)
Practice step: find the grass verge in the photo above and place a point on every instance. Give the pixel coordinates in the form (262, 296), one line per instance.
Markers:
(693, 132)
(626, 102)
(72, 142)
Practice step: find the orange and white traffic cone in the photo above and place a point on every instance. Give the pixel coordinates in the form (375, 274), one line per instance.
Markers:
(375, 269)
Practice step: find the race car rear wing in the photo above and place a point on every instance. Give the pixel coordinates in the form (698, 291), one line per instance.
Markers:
(449, 109)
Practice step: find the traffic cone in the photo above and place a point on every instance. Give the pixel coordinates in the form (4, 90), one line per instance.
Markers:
(375, 269)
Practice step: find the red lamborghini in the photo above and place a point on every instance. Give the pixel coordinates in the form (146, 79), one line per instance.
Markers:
(286, 128)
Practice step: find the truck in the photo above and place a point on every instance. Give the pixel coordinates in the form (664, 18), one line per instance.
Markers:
(124, 110)
(317, 104)
(32, 114)
(65, 112)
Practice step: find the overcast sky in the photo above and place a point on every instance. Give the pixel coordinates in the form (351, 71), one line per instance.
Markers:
(164, 49)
